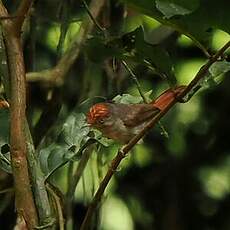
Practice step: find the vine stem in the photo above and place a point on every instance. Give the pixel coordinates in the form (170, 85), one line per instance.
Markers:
(134, 77)
(122, 153)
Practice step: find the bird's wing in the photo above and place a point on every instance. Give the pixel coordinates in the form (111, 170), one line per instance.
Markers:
(137, 114)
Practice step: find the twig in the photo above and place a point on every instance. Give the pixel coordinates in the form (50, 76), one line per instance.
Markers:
(75, 179)
(4, 159)
(135, 80)
(164, 132)
(63, 16)
(203, 70)
(93, 18)
(56, 75)
(56, 198)
(21, 14)
(7, 190)
(8, 17)
(125, 149)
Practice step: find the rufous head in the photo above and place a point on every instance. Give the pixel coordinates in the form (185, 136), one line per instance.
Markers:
(97, 114)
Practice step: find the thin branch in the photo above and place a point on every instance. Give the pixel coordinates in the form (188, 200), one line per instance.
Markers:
(63, 17)
(7, 190)
(75, 179)
(203, 70)
(122, 153)
(8, 17)
(93, 18)
(134, 77)
(56, 75)
(21, 14)
(135, 80)
(57, 201)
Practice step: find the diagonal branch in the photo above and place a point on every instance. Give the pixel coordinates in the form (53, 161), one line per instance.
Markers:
(21, 14)
(203, 70)
(56, 75)
(3, 11)
(122, 153)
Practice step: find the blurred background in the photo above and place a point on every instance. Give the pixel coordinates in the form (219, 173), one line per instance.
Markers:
(179, 177)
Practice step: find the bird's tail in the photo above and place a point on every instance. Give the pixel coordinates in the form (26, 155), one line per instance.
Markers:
(167, 97)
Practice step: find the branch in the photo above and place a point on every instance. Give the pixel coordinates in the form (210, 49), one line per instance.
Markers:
(38, 183)
(122, 153)
(23, 194)
(21, 14)
(135, 80)
(203, 70)
(56, 75)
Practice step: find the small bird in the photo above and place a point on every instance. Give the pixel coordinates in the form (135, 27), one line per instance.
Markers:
(121, 122)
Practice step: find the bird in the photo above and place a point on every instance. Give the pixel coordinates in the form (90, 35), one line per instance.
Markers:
(121, 122)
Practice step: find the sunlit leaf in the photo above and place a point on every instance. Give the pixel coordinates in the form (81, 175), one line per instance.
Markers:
(197, 25)
(219, 68)
(51, 153)
(176, 7)
(74, 133)
(130, 99)
(97, 135)
(56, 157)
(132, 46)
(154, 54)
(98, 49)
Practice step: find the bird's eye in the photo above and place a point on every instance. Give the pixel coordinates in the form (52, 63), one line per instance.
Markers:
(101, 120)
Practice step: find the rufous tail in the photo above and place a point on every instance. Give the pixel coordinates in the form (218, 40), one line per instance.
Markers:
(167, 97)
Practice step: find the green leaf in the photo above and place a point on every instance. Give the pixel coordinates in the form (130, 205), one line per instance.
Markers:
(132, 46)
(197, 25)
(127, 99)
(153, 54)
(130, 99)
(56, 157)
(75, 130)
(97, 136)
(176, 7)
(46, 155)
(98, 49)
(75, 134)
(219, 68)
